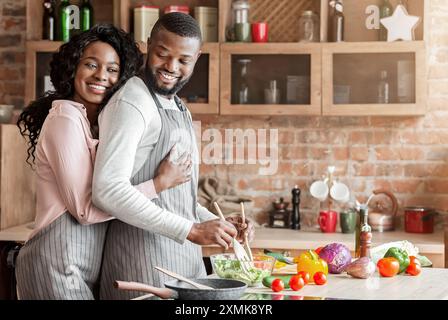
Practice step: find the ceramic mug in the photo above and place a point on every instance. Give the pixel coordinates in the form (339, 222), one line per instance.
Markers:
(347, 220)
(319, 190)
(340, 192)
(260, 32)
(327, 221)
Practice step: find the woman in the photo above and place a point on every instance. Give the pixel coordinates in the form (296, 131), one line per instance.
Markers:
(62, 258)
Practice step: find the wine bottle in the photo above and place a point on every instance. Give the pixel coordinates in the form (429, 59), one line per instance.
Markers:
(64, 20)
(337, 20)
(49, 21)
(86, 15)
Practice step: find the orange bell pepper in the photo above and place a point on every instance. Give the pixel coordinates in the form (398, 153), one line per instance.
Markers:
(310, 262)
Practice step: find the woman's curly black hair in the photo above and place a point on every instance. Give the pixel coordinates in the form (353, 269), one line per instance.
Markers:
(63, 69)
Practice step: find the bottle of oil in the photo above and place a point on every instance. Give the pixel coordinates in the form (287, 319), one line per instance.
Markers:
(363, 233)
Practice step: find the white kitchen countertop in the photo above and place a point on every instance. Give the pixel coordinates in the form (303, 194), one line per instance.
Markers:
(431, 284)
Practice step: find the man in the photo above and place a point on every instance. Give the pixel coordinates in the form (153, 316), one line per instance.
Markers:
(138, 128)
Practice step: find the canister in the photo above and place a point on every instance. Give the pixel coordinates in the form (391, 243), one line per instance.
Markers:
(145, 17)
(207, 18)
(183, 9)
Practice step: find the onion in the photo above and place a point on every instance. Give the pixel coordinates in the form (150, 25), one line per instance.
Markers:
(337, 255)
(361, 268)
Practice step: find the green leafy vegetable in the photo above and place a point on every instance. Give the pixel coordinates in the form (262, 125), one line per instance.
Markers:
(231, 269)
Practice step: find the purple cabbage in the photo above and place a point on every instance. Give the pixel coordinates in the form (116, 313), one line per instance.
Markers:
(337, 255)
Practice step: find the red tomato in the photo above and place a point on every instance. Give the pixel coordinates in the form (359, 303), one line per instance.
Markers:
(278, 297)
(305, 276)
(414, 260)
(320, 278)
(414, 269)
(277, 285)
(296, 283)
(388, 267)
(318, 250)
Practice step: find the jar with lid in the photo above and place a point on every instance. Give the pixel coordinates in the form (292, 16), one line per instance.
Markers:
(179, 8)
(240, 11)
(241, 26)
(309, 27)
(145, 17)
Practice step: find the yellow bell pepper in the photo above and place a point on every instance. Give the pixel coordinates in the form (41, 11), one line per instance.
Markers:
(310, 262)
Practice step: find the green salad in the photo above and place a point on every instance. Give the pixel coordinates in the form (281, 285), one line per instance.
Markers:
(231, 269)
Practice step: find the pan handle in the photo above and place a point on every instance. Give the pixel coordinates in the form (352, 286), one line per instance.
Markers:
(163, 293)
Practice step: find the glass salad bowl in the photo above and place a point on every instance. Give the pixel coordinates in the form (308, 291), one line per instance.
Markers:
(226, 266)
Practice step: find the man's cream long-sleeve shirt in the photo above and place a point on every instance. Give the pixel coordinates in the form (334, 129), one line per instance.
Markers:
(130, 126)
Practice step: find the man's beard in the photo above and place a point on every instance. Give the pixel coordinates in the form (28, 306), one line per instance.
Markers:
(152, 81)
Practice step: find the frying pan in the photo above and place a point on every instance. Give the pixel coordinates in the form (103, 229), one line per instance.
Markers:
(225, 289)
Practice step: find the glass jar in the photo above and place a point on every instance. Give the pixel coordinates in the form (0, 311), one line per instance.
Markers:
(240, 11)
(309, 27)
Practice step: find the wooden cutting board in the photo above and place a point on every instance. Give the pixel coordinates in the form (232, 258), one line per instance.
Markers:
(288, 269)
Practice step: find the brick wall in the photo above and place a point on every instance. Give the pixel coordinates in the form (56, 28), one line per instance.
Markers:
(12, 51)
(406, 155)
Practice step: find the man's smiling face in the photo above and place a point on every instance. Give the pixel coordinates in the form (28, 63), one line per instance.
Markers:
(171, 61)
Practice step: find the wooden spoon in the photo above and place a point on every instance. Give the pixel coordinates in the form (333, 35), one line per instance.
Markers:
(186, 280)
(246, 240)
(239, 250)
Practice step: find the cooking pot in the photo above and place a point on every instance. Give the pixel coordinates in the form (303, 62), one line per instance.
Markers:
(419, 219)
(225, 289)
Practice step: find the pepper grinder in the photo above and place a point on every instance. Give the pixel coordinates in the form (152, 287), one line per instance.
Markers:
(295, 214)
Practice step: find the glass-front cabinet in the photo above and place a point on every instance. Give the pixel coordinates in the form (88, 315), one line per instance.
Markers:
(269, 79)
(368, 79)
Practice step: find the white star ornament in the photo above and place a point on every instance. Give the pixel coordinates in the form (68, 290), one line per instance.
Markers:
(400, 25)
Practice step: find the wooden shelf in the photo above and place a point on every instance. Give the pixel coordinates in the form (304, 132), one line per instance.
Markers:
(34, 47)
(220, 54)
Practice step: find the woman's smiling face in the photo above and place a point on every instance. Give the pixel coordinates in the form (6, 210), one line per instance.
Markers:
(97, 71)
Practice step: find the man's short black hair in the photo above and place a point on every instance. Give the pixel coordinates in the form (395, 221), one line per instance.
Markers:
(178, 23)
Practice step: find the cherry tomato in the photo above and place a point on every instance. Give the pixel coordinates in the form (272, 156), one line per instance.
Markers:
(305, 276)
(318, 250)
(296, 283)
(414, 260)
(278, 297)
(277, 285)
(320, 278)
(388, 267)
(414, 269)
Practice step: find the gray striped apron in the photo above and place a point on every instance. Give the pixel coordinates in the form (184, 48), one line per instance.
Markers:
(130, 253)
(62, 261)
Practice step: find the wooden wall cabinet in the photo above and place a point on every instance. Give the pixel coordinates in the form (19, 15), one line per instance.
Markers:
(334, 68)
(352, 76)
(271, 62)
(201, 93)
